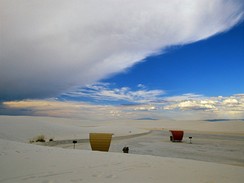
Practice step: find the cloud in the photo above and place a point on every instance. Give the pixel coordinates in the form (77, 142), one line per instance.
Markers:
(223, 107)
(49, 47)
(104, 92)
(78, 110)
(193, 105)
(69, 109)
(197, 108)
(187, 96)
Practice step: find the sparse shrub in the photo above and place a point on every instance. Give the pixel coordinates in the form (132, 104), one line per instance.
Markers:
(39, 138)
(51, 139)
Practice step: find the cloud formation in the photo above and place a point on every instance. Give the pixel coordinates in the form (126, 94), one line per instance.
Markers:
(102, 92)
(48, 47)
(188, 106)
(210, 107)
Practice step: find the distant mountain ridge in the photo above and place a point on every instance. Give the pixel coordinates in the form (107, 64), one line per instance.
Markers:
(219, 120)
(146, 119)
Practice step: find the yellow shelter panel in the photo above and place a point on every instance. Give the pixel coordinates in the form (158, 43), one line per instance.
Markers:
(100, 141)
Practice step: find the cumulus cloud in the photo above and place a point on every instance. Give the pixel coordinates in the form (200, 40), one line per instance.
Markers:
(193, 105)
(50, 46)
(223, 107)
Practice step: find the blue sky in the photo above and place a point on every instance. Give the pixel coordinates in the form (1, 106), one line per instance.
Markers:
(211, 67)
(84, 59)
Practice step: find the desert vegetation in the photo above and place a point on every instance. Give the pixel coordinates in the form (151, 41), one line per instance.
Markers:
(39, 138)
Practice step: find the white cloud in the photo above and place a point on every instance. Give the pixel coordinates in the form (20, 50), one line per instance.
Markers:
(141, 86)
(223, 107)
(145, 108)
(210, 107)
(50, 46)
(104, 92)
(193, 105)
(187, 96)
(230, 101)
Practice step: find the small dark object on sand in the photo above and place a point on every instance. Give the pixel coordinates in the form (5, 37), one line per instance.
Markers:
(126, 149)
(74, 142)
(190, 139)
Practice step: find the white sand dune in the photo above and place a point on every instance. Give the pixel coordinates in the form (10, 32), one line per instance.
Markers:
(24, 128)
(24, 163)
(30, 163)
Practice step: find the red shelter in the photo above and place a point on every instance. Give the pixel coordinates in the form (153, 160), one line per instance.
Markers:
(177, 135)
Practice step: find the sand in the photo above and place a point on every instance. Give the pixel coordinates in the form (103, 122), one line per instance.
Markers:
(215, 155)
(219, 148)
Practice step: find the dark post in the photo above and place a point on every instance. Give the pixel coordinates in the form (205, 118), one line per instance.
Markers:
(190, 139)
(74, 142)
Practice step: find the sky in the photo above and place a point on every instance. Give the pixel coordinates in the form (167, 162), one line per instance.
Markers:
(120, 59)
(210, 67)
